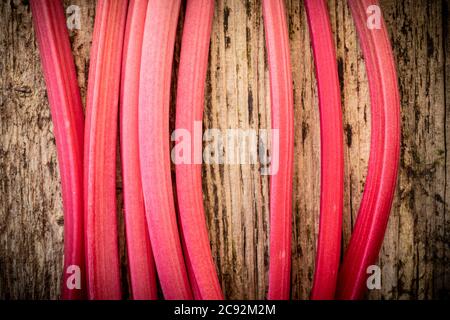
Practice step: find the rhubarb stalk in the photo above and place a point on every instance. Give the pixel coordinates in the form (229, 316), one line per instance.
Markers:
(102, 258)
(190, 98)
(277, 43)
(140, 257)
(376, 203)
(332, 154)
(68, 123)
(154, 98)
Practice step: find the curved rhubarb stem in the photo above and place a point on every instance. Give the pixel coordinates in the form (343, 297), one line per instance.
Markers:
(373, 215)
(332, 151)
(154, 98)
(140, 257)
(190, 98)
(102, 258)
(67, 114)
(277, 43)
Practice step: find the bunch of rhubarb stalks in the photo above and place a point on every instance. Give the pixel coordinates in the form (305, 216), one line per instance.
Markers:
(129, 84)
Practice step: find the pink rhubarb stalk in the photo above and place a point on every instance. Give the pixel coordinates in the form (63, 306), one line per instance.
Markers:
(102, 258)
(376, 203)
(332, 151)
(190, 98)
(67, 114)
(154, 98)
(140, 257)
(277, 43)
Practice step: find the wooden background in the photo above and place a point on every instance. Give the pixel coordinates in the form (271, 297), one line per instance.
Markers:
(415, 254)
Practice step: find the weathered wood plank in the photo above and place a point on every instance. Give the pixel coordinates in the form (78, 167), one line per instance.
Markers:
(306, 153)
(416, 29)
(415, 254)
(237, 196)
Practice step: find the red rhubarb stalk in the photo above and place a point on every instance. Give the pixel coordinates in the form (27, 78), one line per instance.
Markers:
(154, 98)
(190, 98)
(67, 114)
(102, 258)
(332, 154)
(140, 257)
(376, 203)
(277, 43)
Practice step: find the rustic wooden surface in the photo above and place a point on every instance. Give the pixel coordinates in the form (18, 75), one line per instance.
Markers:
(415, 254)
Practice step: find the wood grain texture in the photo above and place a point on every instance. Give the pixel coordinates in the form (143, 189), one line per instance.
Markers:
(415, 255)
